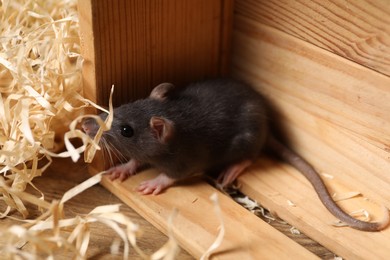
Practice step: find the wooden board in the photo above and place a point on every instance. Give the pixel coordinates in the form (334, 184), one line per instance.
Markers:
(196, 224)
(334, 118)
(356, 30)
(336, 114)
(137, 45)
(285, 191)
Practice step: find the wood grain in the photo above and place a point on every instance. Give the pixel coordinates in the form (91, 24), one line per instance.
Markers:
(196, 224)
(356, 30)
(338, 118)
(136, 45)
(336, 114)
(275, 185)
(87, 48)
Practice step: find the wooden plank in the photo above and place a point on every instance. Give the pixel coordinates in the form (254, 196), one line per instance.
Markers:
(87, 48)
(276, 186)
(345, 106)
(336, 114)
(196, 224)
(139, 44)
(356, 30)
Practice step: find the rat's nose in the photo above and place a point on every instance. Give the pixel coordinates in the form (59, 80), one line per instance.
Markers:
(89, 126)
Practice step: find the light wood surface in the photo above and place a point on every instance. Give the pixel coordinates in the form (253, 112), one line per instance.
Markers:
(285, 191)
(334, 112)
(87, 48)
(136, 45)
(196, 224)
(357, 30)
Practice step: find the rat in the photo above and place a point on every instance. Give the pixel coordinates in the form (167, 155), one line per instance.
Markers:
(211, 126)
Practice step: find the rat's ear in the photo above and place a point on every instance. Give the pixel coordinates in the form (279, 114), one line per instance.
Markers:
(162, 128)
(161, 91)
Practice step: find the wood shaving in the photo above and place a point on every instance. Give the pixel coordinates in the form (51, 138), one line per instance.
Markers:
(295, 231)
(328, 176)
(339, 223)
(346, 195)
(44, 235)
(254, 207)
(361, 214)
(247, 203)
(171, 248)
(221, 233)
(291, 204)
(40, 85)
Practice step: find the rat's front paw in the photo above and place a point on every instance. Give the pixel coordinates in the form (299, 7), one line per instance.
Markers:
(118, 172)
(156, 185)
(123, 171)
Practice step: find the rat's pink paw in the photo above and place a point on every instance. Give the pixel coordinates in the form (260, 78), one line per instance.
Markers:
(156, 185)
(123, 171)
(118, 172)
(228, 176)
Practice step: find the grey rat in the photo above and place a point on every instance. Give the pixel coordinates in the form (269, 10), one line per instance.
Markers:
(218, 125)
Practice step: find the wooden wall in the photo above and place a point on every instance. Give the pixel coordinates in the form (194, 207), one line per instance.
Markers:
(136, 45)
(325, 65)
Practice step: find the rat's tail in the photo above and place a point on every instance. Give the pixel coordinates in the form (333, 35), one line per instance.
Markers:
(312, 175)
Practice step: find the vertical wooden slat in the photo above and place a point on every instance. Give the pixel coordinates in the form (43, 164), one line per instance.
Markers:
(88, 50)
(136, 45)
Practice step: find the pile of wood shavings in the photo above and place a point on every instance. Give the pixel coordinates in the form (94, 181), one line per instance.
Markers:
(44, 235)
(40, 82)
(40, 86)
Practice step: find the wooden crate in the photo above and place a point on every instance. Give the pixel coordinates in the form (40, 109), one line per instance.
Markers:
(325, 65)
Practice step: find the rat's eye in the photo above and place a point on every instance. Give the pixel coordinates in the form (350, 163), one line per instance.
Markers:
(127, 131)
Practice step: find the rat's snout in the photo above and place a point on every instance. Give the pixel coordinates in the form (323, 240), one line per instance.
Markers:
(90, 126)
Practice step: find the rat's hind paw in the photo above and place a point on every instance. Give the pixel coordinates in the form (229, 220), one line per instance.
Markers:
(228, 176)
(155, 186)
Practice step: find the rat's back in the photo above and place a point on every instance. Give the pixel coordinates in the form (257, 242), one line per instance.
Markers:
(219, 122)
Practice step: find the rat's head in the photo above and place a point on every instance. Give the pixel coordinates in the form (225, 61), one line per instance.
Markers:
(139, 130)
